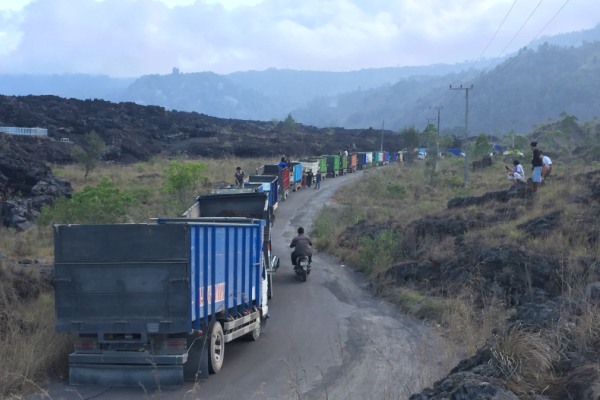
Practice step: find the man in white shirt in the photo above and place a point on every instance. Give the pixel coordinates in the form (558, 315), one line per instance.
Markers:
(547, 167)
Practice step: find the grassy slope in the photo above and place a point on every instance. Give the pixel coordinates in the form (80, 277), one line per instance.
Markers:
(371, 218)
(473, 270)
(30, 349)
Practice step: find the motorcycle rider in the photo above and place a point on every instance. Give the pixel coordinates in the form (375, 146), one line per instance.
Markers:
(302, 246)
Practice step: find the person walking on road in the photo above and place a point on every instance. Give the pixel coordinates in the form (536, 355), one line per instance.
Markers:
(309, 178)
(318, 180)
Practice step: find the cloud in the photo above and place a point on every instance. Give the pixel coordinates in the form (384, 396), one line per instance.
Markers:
(136, 37)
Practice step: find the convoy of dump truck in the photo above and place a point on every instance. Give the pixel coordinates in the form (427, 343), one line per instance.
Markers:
(155, 303)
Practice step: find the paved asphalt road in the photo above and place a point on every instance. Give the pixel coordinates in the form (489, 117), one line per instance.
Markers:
(327, 338)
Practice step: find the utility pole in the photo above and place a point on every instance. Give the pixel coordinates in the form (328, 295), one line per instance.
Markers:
(437, 143)
(438, 109)
(382, 125)
(466, 89)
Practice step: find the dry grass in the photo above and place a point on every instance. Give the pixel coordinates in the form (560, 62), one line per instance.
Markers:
(524, 357)
(151, 173)
(31, 351)
(35, 243)
(399, 193)
(580, 333)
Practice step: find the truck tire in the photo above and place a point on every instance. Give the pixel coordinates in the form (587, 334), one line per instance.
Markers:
(255, 334)
(216, 348)
(270, 287)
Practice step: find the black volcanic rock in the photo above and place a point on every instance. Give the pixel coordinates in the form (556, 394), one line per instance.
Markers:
(135, 133)
(26, 183)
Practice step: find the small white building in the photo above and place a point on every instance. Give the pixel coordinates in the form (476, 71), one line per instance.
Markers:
(13, 130)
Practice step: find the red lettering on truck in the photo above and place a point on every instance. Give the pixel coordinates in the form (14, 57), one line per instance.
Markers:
(219, 293)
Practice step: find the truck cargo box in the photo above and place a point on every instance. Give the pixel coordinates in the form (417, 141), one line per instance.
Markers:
(333, 165)
(283, 178)
(134, 294)
(352, 162)
(273, 191)
(296, 175)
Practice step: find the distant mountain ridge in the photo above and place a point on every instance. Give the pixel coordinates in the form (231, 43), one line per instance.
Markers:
(533, 86)
(504, 97)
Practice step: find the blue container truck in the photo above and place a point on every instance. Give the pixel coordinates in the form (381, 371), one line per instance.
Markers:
(247, 205)
(295, 175)
(154, 304)
(273, 182)
(361, 161)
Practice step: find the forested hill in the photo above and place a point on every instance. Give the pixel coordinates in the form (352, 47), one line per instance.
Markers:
(533, 86)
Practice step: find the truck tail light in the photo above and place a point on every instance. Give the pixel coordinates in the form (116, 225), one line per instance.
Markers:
(85, 343)
(176, 343)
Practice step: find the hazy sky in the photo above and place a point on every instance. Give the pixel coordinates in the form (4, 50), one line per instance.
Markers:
(129, 38)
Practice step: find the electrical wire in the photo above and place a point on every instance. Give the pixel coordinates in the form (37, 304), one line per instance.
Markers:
(520, 29)
(490, 41)
(551, 19)
(498, 30)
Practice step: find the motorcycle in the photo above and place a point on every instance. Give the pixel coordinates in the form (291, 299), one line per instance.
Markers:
(302, 267)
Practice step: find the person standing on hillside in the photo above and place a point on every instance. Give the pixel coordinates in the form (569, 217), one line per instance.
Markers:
(536, 165)
(239, 177)
(547, 167)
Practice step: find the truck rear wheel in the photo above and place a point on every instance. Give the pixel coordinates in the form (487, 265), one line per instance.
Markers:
(270, 286)
(255, 334)
(216, 348)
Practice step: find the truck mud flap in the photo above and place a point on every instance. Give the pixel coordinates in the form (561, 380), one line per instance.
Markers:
(146, 376)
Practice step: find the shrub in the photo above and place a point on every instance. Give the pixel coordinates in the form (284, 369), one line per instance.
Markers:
(89, 156)
(325, 228)
(396, 190)
(377, 253)
(453, 181)
(100, 204)
(432, 309)
(183, 179)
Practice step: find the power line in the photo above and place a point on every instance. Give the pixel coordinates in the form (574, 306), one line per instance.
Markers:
(498, 30)
(491, 40)
(551, 19)
(519, 31)
(521, 28)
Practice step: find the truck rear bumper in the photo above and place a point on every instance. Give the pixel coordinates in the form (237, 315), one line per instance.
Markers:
(146, 376)
(127, 358)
